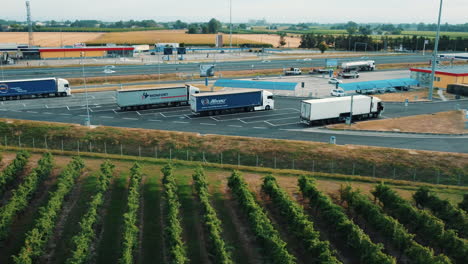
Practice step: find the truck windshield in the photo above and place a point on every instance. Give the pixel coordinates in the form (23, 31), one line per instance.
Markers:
(66, 85)
(270, 97)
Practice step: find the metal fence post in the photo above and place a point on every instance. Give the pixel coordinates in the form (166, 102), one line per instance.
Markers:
(256, 164)
(354, 166)
(62, 145)
(6, 142)
(187, 154)
(394, 172)
(78, 147)
(121, 150)
(19, 141)
(221, 158)
(90, 147)
(293, 164)
(105, 147)
(373, 171)
(274, 161)
(139, 151)
(313, 166)
(459, 179)
(170, 154)
(34, 144)
(156, 151)
(414, 174)
(203, 157)
(238, 159)
(45, 140)
(438, 176)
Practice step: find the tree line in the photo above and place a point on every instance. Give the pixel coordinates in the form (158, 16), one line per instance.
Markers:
(369, 43)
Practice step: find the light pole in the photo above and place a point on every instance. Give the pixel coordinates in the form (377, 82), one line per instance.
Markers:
(434, 54)
(88, 119)
(1, 66)
(230, 24)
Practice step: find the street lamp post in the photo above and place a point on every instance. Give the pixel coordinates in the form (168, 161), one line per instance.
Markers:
(434, 54)
(1, 66)
(230, 24)
(88, 119)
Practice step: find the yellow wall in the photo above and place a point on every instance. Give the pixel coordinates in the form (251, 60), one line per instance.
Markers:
(71, 54)
(446, 80)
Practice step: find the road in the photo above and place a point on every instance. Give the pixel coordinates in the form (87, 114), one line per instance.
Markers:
(281, 123)
(192, 68)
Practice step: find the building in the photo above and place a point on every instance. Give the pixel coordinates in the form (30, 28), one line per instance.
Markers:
(443, 75)
(89, 52)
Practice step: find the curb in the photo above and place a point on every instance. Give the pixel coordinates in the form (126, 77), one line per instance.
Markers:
(396, 132)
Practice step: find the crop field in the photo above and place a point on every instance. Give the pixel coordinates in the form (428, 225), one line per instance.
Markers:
(91, 208)
(49, 39)
(171, 36)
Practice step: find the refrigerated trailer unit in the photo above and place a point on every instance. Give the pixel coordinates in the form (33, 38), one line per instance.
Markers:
(29, 88)
(333, 110)
(152, 97)
(214, 103)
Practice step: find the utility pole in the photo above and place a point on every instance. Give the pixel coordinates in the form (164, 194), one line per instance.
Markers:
(230, 24)
(88, 120)
(434, 55)
(28, 11)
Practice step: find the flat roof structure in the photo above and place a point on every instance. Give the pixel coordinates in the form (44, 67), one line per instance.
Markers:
(291, 86)
(451, 71)
(378, 84)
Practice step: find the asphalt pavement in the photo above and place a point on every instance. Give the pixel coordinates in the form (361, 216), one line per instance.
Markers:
(193, 67)
(281, 123)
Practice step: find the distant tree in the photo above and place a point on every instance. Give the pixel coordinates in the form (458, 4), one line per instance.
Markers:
(282, 40)
(322, 46)
(214, 26)
(193, 29)
(180, 25)
(204, 29)
(351, 27)
(365, 30)
(242, 26)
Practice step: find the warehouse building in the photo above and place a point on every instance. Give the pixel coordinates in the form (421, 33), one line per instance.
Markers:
(443, 76)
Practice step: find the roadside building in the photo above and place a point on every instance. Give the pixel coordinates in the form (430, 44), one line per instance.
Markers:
(443, 76)
(89, 52)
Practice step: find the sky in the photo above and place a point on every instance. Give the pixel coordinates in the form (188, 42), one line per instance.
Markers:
(279, 11)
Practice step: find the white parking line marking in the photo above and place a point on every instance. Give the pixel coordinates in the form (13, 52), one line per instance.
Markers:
(208, 124)
(234, 126)
(295, 123)
(105, 116)
(65, 114)
(260, 127)
(46, 113)
(187, 116)
(155, 120)
(115, 111)
(68, 108)
(242, 121)
(32, 112)
(180, 122)
(130, 118)
(163, 115)
(138, 113)
(46, 106)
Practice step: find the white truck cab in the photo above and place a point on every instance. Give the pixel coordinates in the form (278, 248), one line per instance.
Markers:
(268, 103)
(63, 87)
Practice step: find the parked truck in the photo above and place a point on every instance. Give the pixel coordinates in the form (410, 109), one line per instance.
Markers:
(151, 97)
(215, 103)
(293, 71)
(333, 110)
(29, 88)
(368, 65)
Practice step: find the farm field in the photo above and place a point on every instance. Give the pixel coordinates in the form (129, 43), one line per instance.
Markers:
(171, 36)
(112, 209)
(49, 39)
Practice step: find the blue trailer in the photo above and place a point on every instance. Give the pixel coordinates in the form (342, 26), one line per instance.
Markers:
(28, 88)
(213, 103)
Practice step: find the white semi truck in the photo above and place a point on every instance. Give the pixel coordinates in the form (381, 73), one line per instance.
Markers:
(151, 97)
(368, 65)
(333, 110)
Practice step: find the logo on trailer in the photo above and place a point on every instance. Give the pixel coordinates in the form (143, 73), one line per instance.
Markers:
(144, 96)
(3, 88)
(207, 101)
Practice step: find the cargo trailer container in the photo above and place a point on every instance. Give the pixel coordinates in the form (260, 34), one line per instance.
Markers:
(30, 88)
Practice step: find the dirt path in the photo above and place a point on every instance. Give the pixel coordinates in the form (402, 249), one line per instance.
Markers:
(70, 202)
(25, 220)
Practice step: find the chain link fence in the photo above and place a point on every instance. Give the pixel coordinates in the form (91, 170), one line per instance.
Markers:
(274, 160)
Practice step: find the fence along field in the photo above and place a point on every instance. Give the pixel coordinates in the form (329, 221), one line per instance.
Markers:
(73, 172)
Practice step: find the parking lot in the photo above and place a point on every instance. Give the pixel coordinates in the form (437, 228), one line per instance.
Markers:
(102, 108)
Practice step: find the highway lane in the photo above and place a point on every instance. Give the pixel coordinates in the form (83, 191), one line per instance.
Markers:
(282, 123)
(189, 68)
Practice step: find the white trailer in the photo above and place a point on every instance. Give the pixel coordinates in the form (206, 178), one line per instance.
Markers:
(368, 65)
(332, 110)
(150, 97)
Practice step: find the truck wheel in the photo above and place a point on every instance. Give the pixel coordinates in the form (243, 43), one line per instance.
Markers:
(267, 107)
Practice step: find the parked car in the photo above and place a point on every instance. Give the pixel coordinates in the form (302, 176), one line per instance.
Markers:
(337, 92)
(367, 91)
(390, 90)
(380, 90)
(334, 81)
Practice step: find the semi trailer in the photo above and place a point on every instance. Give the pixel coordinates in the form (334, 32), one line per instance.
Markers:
(368, 65)
(144, 98)
(215, 103)
(333, 110)
(29, 88)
